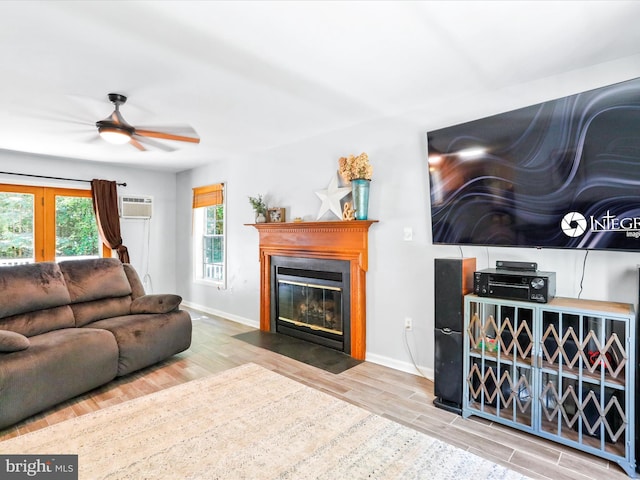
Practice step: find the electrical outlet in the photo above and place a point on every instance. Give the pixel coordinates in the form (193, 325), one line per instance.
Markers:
(408, 323)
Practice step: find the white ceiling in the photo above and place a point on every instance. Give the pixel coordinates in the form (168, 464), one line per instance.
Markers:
(249, 76)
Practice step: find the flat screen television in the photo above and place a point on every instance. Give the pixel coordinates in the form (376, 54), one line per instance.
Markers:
(561, 174)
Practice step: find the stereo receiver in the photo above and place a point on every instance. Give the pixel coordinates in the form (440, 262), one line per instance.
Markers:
(530, 286)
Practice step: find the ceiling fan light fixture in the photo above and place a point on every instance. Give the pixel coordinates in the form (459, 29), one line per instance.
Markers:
(115, 135)
(115, 129)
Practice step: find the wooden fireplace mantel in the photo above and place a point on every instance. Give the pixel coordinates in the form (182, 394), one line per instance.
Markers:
(340, 240)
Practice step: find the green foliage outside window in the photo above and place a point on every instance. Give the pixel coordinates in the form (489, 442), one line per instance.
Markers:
(213, 243)
(76, 231)
(215, 220)
(16, 225)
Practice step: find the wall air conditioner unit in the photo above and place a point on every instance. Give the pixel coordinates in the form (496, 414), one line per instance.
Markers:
(136, 206)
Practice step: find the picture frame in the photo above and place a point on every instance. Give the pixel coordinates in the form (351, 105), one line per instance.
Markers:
(276, 215)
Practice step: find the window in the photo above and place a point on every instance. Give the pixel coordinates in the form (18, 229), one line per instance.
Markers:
(209, 243)
(47, 224)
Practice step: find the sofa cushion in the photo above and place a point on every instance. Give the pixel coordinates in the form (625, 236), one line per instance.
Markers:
(12, 341)
(95, 279)
(56, 367)
(159, 303)
(42, 321)
(87, 312)
(32, 287)
(148, 338)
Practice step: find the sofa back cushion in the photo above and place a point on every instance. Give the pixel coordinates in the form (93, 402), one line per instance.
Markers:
(34, 299)
(87, 312)
(95, 279)
(98, 288)
(32, 287)
(34, 323)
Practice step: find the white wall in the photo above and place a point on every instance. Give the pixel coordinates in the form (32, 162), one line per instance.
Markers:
(161, 244)
(400, 277)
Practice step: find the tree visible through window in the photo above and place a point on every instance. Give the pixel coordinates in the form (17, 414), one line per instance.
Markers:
(213, 243)
(16, 226)
(76, 229)
(47, 224)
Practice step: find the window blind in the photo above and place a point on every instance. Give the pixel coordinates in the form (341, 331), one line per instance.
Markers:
(208, 195)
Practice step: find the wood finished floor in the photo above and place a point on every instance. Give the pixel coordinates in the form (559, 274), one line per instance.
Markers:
(396, 395)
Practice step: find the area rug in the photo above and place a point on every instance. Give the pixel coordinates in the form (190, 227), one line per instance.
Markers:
(249, 423)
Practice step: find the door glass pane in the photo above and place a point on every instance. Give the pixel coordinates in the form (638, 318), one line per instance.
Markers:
(16, 228)
(76, 229)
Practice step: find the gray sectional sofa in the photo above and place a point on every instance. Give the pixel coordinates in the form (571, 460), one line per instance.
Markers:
(69, 327)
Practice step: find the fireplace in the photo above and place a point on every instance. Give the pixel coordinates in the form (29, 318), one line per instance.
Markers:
(310, 300)
(298, 245)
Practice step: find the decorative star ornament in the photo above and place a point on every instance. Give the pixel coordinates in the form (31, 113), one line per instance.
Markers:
(331, 198)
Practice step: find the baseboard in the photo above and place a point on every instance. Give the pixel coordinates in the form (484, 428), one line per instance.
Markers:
(369, 357)
(219, 313)
(399, 365)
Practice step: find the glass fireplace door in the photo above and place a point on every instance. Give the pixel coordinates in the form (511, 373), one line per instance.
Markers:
(311, 305)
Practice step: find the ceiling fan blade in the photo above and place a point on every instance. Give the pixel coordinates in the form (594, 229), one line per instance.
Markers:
(166, 136)
(89, 138)
(178, 129)
(89, 106)
(154, 143)
(137, 144)
(49, 115)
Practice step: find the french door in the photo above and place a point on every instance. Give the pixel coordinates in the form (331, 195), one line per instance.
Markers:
(47, 224)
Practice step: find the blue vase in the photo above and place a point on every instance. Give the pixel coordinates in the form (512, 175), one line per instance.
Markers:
(360, 193)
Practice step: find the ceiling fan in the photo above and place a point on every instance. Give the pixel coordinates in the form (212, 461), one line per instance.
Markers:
(115, 129)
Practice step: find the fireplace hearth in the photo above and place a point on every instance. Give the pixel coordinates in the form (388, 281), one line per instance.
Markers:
(310, 300)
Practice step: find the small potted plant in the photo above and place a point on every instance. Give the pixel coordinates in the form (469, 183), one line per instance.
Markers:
(259, 207)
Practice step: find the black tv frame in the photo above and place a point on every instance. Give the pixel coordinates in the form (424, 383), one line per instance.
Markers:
(560, 174)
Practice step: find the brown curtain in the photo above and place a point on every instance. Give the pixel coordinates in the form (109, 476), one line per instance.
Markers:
(105, 206)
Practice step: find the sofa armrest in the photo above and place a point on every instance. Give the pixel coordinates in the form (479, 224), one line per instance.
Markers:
(159, 303)
(12, 341)
(137, 289)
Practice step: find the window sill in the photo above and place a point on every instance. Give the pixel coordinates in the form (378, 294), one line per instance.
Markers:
(210, 283)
